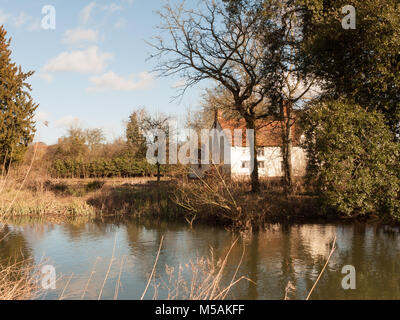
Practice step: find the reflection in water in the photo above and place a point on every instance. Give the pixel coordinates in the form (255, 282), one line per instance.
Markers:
(273, 257)
(13, 245)
(18, 279)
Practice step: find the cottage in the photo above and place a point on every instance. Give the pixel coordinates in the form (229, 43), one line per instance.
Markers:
(235, 157)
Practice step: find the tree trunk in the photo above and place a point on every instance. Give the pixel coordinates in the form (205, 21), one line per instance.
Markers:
(255, 183)
(286, 148)
(158, 173)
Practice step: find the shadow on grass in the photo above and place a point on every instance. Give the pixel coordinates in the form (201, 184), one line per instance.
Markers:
(136, 200)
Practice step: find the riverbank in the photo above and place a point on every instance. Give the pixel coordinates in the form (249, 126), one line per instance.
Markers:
(229, 205)
(57, 200)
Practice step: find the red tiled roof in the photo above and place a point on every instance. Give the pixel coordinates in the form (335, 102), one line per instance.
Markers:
(268, 131)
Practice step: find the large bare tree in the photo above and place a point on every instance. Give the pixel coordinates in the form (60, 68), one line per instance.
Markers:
(209, 42)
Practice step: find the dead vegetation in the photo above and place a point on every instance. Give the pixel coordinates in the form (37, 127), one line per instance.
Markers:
(19, 281)
(207, 278)
(230, 202)
(215, 198)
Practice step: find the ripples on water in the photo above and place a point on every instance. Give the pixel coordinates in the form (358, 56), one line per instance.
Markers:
(279, 254)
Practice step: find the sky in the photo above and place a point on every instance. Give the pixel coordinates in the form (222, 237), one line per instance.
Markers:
(93, 68)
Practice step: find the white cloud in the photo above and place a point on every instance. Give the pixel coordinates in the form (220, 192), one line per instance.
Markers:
(78, 35)
(87, 12)
(82, 61)
(112, 81)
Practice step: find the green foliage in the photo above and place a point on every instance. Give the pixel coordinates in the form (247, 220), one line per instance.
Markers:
(101, 168)
(16, 106)
(83, 154)
(353, 160)
(361, 64)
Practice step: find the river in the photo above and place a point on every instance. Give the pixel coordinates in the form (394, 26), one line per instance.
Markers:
(282, 253)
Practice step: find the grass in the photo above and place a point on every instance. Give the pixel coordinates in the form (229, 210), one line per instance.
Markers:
(18, 281)
(79, 199)
(137, 200)
(215, 200)
(41, 198)
(45, 205)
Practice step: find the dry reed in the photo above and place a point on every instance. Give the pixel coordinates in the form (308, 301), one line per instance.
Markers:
(154, 267)
(323, 269)
(206, 278)
(19, 280)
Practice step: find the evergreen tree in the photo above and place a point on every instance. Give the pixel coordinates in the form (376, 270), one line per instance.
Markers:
(135, 139)
(17, 126)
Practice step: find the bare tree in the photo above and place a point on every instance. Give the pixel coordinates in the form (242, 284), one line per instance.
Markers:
(94, 138)
(208, 42)
(153, 127)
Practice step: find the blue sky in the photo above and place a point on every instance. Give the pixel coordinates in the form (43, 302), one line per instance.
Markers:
(92, 68)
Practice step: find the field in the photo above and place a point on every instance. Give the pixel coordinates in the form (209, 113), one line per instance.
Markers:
(214, 200)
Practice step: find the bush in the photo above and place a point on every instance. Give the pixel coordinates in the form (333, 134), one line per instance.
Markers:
(353, 159)
(94, 185)
(101, 168)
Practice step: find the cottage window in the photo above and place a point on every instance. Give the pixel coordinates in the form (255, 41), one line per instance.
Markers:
(261, 164)
(245, 164)
(260, 152)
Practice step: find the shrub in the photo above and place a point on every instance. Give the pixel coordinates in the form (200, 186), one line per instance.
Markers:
(353, 159)
(101, 168)
(94, 185)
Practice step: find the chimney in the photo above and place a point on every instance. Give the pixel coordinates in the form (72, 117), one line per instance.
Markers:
(285, 104)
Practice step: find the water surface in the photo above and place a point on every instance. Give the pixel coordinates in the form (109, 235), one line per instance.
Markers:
(273, 257)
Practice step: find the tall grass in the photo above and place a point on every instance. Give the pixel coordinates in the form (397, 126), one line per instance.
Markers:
(23, 194)
(19, 281)
(208, 280)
